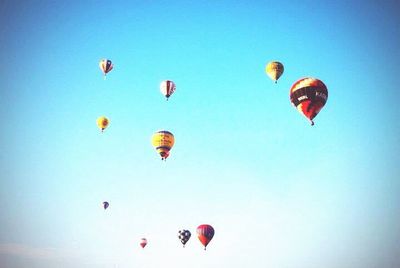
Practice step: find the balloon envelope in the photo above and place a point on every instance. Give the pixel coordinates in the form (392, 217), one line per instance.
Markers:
(105, 66)
(184, 236)
(105, 204)
(163, 141)
(309, 96)
(102, 122)
(143, 242)
(274, 70)
(205, 233)
(167, 88)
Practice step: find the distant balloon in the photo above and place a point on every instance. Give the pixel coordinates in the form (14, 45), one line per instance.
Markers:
(105, 66)
(167, 87)
(205, 233)
(143, 242)
(102, 122)
(105, 205)
(184, 236)
(163, 141)
(274, 70)
(309, 96)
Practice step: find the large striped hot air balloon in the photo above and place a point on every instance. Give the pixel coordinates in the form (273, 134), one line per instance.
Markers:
(205, 233)
(309, 95)
(274, 70)
(163, 141)
(167, 87)
(102, 122)
(105, 66)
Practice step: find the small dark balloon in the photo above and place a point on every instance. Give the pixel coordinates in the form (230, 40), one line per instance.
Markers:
(143, 242)
(184, 236)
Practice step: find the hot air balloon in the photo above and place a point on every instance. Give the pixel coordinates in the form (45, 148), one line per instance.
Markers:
(167, 87)
(105, 205)
(143, 242)
(102, 122)
(274, 70)
(184, 236)
(205, 233)
(163, 141)
(105, 66)
(309, 95)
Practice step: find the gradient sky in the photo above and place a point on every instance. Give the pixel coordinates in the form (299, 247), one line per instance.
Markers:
(278, 192)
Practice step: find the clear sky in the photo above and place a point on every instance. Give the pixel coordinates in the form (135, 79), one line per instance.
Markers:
(278, 192)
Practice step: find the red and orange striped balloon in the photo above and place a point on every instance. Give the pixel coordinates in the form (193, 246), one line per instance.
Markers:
(309, 96)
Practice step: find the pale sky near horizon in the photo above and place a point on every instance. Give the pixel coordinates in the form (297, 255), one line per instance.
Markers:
(278, 192)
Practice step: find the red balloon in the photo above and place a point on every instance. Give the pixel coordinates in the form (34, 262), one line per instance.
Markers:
(309, 95)
(143, 242)
(205, 233)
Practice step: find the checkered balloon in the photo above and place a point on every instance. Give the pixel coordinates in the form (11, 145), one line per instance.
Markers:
(184, 236)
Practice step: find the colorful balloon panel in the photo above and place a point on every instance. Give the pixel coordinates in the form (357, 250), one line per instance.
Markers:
(309, 95)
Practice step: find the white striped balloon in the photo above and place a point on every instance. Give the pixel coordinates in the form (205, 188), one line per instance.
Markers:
(167, 88)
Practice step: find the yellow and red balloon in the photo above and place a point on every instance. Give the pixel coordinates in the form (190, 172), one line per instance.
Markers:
(102, 122)
(163, 141)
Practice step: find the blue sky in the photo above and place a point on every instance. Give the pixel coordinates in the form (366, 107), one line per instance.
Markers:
(278, 192)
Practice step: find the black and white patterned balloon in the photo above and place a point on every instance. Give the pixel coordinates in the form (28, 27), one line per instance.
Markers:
(184, 236)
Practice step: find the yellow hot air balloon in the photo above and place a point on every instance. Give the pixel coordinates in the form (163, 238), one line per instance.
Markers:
(274, 70)
(102, 122)
(163, 141)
